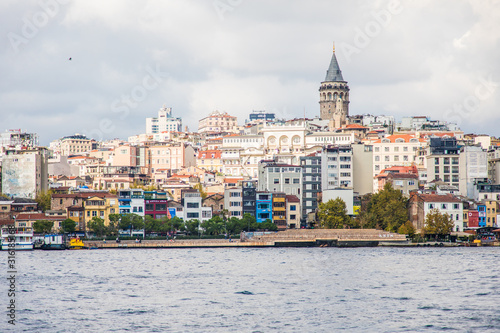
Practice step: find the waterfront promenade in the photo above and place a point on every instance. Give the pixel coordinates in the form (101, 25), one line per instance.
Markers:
(288, 238)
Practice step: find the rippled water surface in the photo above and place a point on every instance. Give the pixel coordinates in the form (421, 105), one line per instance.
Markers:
(258, 290)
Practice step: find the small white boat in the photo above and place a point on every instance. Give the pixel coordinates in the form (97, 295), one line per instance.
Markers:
(54, 242)
(17, 238)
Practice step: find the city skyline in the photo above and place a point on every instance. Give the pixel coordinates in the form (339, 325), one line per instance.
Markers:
(102, 70)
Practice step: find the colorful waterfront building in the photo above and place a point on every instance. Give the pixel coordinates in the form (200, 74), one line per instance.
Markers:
(279, 210)
(100, 206)
(264, 207)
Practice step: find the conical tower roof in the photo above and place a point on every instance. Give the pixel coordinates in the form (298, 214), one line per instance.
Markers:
(334, 74)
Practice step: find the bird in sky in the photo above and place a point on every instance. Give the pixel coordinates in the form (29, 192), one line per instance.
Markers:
(70, 58)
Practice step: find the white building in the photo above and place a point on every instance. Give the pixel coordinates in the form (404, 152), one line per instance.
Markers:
(218, 122)
(394, 150)
(473, 169)
(337, 167)
(25, 173)
(193, 208)
(17, 140)
(233, 201)
(165, 122)
(241, 154)
(131, 201)
(347, 195)
(422, 204)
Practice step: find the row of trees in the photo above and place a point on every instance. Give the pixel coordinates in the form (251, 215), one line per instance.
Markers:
(215, 226)
(387, 210)
(46, 226)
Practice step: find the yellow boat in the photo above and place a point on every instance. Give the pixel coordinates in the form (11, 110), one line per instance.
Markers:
(76, 244)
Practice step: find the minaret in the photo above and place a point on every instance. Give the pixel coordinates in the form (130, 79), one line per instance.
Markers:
(334, 95)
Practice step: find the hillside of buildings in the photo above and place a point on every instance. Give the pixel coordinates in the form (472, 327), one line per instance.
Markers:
(276, 170)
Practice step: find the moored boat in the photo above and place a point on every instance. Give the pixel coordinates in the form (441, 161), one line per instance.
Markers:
(17, 238)
(76, 244)
(54, 242)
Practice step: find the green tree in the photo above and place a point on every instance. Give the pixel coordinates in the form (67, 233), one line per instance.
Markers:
(151, 224)
(43, 226)
(97, 226)
(112, 228)
(192, 227)
(248, 223)
(387, 209)
(333, 215)
(68, 226)
(268, 225)
(43, 200)
(438, 224)
(131, 221)
(407, 229)
(214, 226)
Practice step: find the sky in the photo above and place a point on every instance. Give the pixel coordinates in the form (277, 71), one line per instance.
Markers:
(129, 58)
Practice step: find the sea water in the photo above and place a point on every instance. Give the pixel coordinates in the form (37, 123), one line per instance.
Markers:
(256, 290)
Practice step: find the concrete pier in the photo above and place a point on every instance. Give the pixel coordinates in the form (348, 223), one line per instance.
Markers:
(288, 238)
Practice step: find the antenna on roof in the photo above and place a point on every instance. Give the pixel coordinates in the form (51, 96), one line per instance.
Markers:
(333, 47)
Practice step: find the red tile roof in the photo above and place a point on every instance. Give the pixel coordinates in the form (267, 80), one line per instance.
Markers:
(405, 137)
(207, 154)
(355, 126)
(438, 198)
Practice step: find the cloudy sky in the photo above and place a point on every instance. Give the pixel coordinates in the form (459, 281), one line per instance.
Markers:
(128, 58)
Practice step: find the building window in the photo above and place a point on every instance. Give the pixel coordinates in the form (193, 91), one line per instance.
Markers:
(456, 206)
(94, 213)
(296, 181)
(431, 206)
(287, 180)
(293, 217)
(276, 181)
(192, 205)
(444, 206)
(436, 160)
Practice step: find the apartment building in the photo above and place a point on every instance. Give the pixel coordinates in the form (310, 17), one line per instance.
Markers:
(75, 144)
(421, 204)
(394, 150)
(233, 201)
(25, 173)
(165, 122)
(218, 122)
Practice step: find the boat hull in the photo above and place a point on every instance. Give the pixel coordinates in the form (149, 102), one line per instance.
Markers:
(18, 247)
(53, 247)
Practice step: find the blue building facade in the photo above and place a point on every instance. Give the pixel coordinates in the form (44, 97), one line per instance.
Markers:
(264, 209)
(482, 215)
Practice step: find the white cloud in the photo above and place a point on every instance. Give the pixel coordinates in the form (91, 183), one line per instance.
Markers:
(260, 55)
